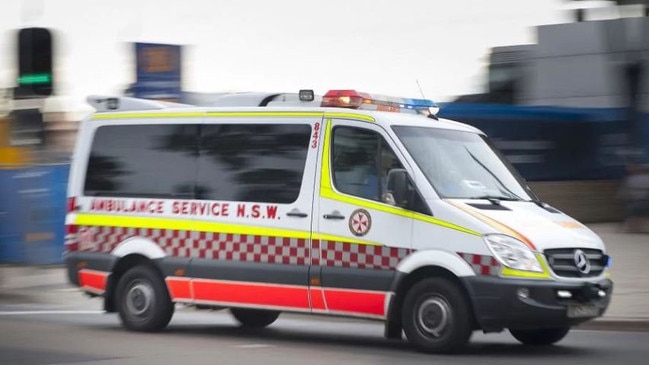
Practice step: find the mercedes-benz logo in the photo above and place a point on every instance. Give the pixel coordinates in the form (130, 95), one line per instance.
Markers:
(581, 262)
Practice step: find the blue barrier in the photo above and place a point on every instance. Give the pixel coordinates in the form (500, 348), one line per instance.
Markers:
(554, 143)
(32, 214)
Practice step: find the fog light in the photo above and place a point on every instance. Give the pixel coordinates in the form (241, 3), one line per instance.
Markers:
(523, 293)
(564, 294)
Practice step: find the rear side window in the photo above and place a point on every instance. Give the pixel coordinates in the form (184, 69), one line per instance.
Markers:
(143, 161)
(252, 162)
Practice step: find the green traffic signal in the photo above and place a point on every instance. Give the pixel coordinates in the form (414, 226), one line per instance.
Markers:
(34, 79)
(35, 67)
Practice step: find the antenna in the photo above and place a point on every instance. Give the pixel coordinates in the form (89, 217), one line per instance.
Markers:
(433, 114)
(420, 90)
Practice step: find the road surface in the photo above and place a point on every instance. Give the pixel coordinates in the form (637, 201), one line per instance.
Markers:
(53, 334)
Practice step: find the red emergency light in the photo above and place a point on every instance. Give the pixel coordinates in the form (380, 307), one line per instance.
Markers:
(345, 99)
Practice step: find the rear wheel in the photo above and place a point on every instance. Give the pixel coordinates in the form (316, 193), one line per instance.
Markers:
(143, 301)
(540, 337)
(254, 318)
(436, 316)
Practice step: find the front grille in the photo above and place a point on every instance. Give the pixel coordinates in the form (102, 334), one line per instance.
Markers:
(562, 262)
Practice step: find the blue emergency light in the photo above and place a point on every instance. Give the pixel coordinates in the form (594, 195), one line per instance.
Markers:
(357, 100)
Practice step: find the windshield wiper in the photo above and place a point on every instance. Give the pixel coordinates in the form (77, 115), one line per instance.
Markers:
(513, 196)
(496, 199)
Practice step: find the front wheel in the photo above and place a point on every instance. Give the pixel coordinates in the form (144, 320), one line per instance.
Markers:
(436, 316)
(540, 337)
(254, 318)
(143, 301)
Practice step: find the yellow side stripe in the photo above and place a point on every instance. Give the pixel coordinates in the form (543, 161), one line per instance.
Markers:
(148, 115)
(325, 175)
(183, 225)
(329, 237)
(98, 220)
(298, 114)
(341, 115)
(330, 194)
(264, 114)
(122, 115)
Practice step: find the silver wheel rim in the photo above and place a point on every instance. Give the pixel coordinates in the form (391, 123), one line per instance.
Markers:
(434, 316)
(139, 298)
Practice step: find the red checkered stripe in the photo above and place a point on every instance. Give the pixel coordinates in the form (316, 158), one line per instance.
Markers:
(249, 248)
(342, 254)
(206, 245)
(71, 239)
(252, 248)
(482, 264)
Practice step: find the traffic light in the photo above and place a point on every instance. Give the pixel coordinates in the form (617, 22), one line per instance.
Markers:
(35, 77)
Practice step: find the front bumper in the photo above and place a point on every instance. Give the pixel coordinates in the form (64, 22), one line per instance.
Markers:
(497, 302)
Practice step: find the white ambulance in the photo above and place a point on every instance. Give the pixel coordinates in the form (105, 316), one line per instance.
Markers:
(359, 206)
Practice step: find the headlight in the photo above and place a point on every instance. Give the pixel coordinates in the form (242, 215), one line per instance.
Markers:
(512, 253)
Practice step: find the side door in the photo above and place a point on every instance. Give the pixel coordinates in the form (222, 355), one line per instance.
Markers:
(256, 174)
(361, 237)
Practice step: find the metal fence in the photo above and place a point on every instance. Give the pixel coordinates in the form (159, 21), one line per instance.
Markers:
(32, 213)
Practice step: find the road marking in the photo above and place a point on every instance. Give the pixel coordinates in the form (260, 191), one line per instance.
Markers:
(254, 346)
(67, 290)
(27, 313)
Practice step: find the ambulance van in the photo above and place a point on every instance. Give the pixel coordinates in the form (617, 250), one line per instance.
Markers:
(349, 204)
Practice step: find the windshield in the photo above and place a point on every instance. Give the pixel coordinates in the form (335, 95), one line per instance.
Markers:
(461, 165)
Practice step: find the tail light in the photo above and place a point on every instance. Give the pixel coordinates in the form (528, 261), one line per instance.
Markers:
(72, 205)
(71, 230)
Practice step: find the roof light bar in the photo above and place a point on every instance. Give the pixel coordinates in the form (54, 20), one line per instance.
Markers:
(357, 100)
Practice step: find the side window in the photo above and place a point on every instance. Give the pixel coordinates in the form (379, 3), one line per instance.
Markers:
(252, 162)
(361, 160)
(143, 161)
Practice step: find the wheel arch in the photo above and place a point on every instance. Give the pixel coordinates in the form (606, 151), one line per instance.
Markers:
(129, 253)
(418, 269)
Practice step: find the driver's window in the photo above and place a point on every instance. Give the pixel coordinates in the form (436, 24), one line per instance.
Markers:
(361, 160)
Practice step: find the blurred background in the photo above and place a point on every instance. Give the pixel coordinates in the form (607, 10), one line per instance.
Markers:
(561, 86)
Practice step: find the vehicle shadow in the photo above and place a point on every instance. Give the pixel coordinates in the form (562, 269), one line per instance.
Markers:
(358, 337)
(365, 343)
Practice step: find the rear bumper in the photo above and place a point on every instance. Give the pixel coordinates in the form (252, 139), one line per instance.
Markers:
(94, 261)
(497, 303)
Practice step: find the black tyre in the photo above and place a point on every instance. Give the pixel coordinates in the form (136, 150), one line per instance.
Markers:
(143, 302)
(436, 316)
(540, 337)
(254, 318)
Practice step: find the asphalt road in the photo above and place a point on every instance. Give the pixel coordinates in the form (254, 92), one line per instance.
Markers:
(40, 335)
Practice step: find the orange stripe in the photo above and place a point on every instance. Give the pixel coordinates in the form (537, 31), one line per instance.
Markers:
(247, 293)
(495, 224)
(356, 302)
(179, 288)
(91, 279)
(317, 299)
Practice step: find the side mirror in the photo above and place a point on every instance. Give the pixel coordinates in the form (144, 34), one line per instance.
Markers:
(397, 188)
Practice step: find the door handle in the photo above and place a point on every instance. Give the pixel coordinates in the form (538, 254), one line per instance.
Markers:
(297, 214)
(334, 215)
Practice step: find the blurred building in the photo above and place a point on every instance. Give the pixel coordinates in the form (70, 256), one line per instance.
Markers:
(60, 128)
(587, 64)
(592, 64)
